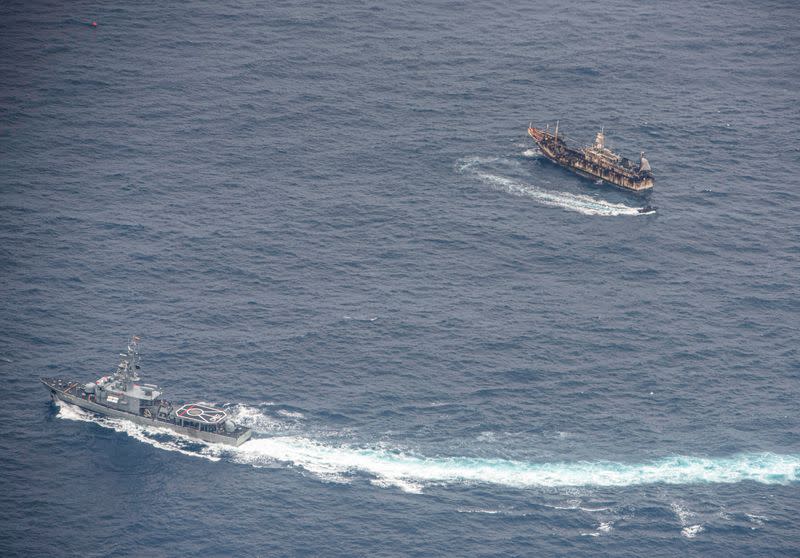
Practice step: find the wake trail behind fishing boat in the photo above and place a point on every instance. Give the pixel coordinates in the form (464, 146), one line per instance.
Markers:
(579, 203)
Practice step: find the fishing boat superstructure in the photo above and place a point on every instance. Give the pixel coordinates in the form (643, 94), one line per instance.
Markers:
(594, 161)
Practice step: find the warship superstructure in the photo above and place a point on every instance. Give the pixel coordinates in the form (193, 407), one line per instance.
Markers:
(594, 161)
(121, 395)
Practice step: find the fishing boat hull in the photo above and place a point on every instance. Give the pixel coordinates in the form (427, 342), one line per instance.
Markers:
(594, 162)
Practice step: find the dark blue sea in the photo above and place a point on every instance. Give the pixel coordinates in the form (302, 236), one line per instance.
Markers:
(328, 218)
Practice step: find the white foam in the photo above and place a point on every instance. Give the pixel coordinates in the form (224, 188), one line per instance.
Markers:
(757, 519)
(291, 414)
(254, 418)
(409, 472)
(402, 484)
(684, 516)
(681, 513)
(469, 163)
(71, 412)
(692, 531)
(394, 468)
(579, 203)
(360, 318)
(605, 526)
(168, 440)
(576, 505)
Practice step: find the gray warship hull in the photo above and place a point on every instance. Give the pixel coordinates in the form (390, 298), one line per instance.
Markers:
(72, 393)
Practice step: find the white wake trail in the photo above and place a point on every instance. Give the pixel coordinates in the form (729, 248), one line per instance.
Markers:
(579, 203)
(412, 473)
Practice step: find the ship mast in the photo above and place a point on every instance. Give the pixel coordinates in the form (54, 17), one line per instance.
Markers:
(556, 130)
(129, 364)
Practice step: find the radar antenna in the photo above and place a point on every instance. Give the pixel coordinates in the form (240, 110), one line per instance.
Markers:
(129, 363)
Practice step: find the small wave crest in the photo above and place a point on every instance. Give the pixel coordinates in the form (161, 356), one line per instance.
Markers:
(684, 517)
(579, 203)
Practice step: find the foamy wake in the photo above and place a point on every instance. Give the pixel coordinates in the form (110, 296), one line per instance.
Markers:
(385, 467)
(414, 472)
(161, 438)
(579, 203)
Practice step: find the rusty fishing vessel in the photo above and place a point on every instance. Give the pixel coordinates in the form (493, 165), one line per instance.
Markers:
(122, 395)
(595, 161)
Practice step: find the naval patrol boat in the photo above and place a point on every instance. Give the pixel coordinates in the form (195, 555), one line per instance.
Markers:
(120, 395)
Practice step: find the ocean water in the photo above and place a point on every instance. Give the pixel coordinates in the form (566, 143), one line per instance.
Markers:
(328, 218)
